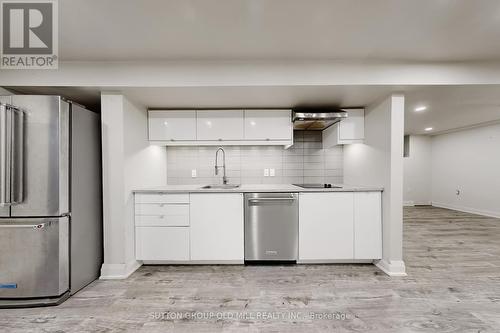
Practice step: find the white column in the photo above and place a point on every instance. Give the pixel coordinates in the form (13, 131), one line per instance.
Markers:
(392, 262)
(115, 264)
(379, 162)
(128, 162)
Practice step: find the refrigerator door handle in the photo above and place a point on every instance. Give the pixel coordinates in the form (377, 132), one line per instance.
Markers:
(11, 154)
(17, 156)
(5, 148)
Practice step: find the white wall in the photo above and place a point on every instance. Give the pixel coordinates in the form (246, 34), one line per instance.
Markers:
(417, 172)
(128, 162)
(468, 161)
(379, 162)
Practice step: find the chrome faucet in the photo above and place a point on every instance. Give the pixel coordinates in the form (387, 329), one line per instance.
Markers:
(224, 178)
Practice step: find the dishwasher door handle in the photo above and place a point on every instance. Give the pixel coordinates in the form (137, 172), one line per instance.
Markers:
(271, 199)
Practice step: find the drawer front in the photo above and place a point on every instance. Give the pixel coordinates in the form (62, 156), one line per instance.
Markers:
(161, 198)
(162, 243)
(162, 209)
(162, 221)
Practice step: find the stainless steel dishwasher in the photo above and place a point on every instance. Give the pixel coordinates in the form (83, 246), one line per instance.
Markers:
(271, 227)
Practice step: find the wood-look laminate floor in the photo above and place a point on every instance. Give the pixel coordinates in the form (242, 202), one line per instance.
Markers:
(453, 285)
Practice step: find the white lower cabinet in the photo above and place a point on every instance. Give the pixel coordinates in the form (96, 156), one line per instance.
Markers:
(340, 226)
(216, 221)
(210, 227)
(162, 243)
(326, 229)
(162, 226)
(368, 225)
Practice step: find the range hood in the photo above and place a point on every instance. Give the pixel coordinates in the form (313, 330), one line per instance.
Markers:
(316, 119)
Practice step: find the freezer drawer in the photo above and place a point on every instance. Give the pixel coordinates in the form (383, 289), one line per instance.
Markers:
(34, 256)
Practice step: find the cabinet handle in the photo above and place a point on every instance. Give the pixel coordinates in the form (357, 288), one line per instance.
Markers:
(162, 216)
(161, 205)
(220, 139)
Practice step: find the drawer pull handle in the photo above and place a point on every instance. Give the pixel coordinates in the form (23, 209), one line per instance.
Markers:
(162, 216)
(161, 205)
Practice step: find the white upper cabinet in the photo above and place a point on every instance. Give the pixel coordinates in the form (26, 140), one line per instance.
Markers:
(219, 125)
(172, 125)
(346, 131)
(268, 125)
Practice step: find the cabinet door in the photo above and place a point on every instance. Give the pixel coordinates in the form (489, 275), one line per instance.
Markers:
(326, 226)
(172, 125)
(217, 226)
(219, 125)
(347, 131)
(162, 243)
(353, 127)
(367, 225)
(268, 125)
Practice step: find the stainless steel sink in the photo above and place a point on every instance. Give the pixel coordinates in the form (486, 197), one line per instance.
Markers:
(221, 186)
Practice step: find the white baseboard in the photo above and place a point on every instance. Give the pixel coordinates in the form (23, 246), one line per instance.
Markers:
(193, 262)
(392, 268)
(123, 271)
(118, 271)
(467, 209)
(338, 261)
(416, 203)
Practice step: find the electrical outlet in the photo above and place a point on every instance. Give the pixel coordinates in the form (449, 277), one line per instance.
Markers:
(266, 172)
(193, 173)
(272, 172)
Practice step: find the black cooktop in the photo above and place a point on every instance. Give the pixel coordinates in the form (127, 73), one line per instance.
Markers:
(317, 185)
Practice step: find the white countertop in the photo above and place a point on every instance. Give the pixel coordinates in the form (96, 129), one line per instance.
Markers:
(254, 188)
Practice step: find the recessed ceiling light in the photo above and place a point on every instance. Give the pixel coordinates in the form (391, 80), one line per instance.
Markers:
(420, 108)
(427, 129)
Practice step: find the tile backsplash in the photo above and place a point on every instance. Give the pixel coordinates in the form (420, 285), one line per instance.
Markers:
(305, 162)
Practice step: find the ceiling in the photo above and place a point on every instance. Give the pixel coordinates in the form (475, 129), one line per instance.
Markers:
(409, 30)
(448, 107)
(451, 107)
(425, 31)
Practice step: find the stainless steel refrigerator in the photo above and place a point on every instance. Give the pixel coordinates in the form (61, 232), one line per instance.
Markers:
(50, 199)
